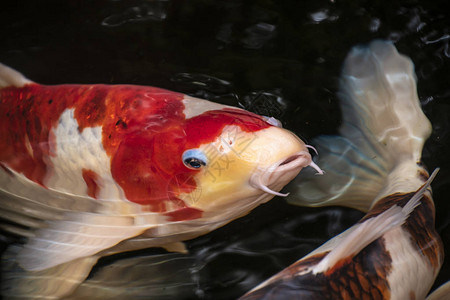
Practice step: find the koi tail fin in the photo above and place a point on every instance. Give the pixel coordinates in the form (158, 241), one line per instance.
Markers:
(382, 134)
(10, 77)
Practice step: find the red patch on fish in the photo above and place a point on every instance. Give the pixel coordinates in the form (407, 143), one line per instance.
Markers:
(91, 179)
(187, 213)
(144, 131)
(34, 110)
(206, 127)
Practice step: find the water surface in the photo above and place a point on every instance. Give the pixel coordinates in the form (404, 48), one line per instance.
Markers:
(277, 58)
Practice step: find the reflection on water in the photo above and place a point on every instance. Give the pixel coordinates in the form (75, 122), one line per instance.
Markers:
(323, 15)
(265, 103)
(145, 11)
(258, 35)
(277, 58)
(201, 82)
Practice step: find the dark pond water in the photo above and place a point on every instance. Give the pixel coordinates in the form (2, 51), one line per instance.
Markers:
(279, 58)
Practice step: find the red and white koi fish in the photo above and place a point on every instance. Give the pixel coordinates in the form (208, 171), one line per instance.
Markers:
(92, 170)
(394, 252)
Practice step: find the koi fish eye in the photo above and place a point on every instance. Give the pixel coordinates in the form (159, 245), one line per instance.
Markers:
(194, 159)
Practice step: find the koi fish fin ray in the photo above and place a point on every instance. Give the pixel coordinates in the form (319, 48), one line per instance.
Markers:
(21, 284)
(30, 205)
(362, 234)
(10, 77)
(383, 104)
(79, 235)
(383, 131)
(351, 176)
(160, 276)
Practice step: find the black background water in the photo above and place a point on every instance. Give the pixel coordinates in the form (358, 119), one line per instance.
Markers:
(279, 58)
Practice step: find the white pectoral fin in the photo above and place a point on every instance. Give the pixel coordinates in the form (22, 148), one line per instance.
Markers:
(79, 235)
(362, 234)
(52, 283)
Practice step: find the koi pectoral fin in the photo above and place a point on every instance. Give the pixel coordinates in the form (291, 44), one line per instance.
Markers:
(178, 247)
(162, 276)
(53, 283)
(79, 235)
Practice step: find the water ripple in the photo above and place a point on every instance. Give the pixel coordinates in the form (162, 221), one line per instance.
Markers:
(266, 103)
(323, 15)
(152, 10)
(258, 35)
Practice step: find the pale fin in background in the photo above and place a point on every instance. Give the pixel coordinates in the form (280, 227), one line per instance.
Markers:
(350, 175)
(141, 277)
(10, 77)
(61, 227)
(382, 134)
(79, 235)
(441, 293)
(20, 284)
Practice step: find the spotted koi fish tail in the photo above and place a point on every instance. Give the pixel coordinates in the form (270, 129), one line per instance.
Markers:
(384, 128)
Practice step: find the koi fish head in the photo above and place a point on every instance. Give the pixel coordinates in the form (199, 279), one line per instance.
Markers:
(217, 158)
(246, 158)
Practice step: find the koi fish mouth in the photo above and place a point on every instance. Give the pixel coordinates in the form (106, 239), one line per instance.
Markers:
(280, 173)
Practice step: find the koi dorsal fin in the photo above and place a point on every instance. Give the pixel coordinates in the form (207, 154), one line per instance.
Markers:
(10, 77)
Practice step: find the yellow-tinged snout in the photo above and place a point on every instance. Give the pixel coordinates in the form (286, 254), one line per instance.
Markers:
(247, 167)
